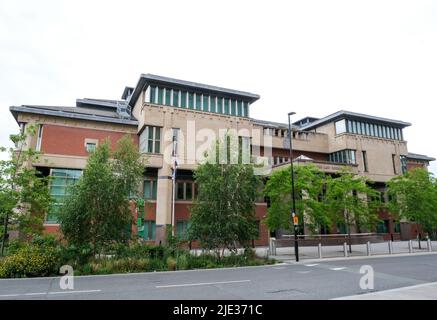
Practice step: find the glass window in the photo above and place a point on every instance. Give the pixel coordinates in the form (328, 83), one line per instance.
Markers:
(364, 156)
(150, 187)
(245, 109)
(205, 103)
(220, 105)
(182, 227)
(234, 107)
(213, 104)
(153, 94)
(90, 147)
(354, 127)
(226, 106)
(149, 230)
(183, 99)
(167, 96)
(367, 129)
(188, 191)
(175, 98)
(340, 126)
(240, 108)
(180, 191)
(372, 130)
(198, 101)
(62, 180)
(150, 140)
(160, 95)
(191, 100)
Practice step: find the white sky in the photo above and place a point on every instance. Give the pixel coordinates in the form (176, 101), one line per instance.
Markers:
(311, 57)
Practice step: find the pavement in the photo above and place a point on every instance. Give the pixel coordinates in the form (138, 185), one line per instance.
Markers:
(319, 279)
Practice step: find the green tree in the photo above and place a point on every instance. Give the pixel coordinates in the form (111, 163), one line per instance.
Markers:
(223, 213)
(352, 201)
(413, 196)
(309, 191)
(24, 194)
(97, 212)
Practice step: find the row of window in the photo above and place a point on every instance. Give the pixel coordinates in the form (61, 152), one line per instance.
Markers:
(197, 101)
(368, 129)
(344, 156)
(275, 132)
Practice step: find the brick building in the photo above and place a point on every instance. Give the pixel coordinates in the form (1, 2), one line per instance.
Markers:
(160, 110)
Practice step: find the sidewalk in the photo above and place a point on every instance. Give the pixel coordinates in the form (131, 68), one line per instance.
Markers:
(427, 291)
(377, 249)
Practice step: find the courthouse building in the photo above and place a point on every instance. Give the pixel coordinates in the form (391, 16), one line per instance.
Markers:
(160, 110)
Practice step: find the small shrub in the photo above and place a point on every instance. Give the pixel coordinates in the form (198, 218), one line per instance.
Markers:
(171, 264)
(183, 262)
(30, 261)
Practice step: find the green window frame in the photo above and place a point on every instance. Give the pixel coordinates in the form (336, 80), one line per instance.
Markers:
(182, 227)
(213, 104)
(198, 101)
(149, 230)
(240, 108)
(152, 94)
(150, 140)
(190, 100)
(160, 95)
(183, 99)
(205, 103)
(167, 97)
(220, 105)
(234, 107)
(226, 103)
(60, 185)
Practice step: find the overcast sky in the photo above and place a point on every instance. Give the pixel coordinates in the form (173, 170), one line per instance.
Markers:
(311, 57)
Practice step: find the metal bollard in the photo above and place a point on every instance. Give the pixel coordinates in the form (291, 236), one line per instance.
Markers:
(345, 249)
(320, 250)
(410, 246)
(428, 243)
(390, 247)
(368, 248)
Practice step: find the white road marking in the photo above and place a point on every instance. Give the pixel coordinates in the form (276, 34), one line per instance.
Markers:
(338, 269)
(303, 272)
(44, 293)
(311, 265)
(201, 284)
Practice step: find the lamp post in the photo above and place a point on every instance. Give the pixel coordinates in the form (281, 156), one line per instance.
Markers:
(293, 198)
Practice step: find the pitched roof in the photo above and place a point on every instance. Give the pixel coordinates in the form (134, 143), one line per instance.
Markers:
(422, 157)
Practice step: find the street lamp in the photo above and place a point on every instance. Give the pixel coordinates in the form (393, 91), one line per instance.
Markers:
(293, 197)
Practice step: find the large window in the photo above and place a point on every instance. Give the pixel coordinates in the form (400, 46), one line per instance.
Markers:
(182, 227)
(150, 188)
(149, 232)
(184, 191)
(368, 129)
(404, 164)
(198, 101)
(344, 156)
(150, 140)
(60, 184)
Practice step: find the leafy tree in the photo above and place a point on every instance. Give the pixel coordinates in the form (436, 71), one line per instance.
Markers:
(223, 214)
(350, 200)
(413, 196)
(309, 190)
(24, 194)
(97, 212)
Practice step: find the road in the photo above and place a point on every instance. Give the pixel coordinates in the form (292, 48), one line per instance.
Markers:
(305, 280)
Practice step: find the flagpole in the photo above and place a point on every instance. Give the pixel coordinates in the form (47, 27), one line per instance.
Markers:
(174, 188)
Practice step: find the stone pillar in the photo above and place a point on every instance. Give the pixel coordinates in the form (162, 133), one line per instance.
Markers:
(163, 203)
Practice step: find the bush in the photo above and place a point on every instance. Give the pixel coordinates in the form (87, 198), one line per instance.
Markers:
(30, 261)
(182, 262)
(171, 264)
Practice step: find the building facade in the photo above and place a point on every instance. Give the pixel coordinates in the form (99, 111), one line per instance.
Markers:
(168, 117)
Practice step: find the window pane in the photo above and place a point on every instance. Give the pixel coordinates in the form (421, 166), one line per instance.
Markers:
(183, 99)
(175, 98)
(180, 191)
(205, 103)
(152, 94)
(191, 100)
(198, 101)
(340, 126)
(246, 109)
(189, 191)
(213, 104)
(354, 127)
(167, 96)
(226, 106)
(220, 105)
(147, 189)
(160, 95)
(240, 108)
(233, 107)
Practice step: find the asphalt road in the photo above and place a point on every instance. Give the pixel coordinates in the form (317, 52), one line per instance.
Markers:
(306, 280)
